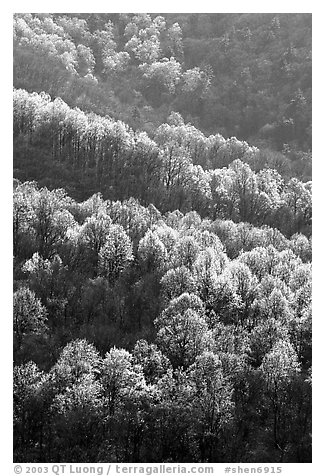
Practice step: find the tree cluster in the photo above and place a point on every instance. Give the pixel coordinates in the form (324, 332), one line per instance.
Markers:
(244, 75)
(179, 169)
(162, 237)
(145, 337)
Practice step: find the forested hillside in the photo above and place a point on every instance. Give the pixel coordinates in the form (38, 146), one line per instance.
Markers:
(242, 75)
(162, 237)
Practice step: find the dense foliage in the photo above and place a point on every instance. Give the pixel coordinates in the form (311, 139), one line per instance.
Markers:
(108, 156)
(162, 266)
(200, 334)
(247, 75)
(242, 75)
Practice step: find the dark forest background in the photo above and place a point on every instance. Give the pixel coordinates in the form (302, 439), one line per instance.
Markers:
(162, 237)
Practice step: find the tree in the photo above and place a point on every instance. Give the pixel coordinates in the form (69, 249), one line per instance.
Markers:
(144, 34)
(182, 336)
(30, 412)
(185, 252)
(286, 265)
(223, 299)
(181, 304)
(298, 199)
(168, 236)
(76, 405)
(29, 315)
(93, 234)
(115, 254)
(78, 361)
(86, 60)
(177, 281)
(279, 367)
(116, 62)
(211, 403)
(165, 73)
(152, 252)
(195, 87)
(172, 418)
(46, 277)
(77, 421)
(264, 336)
(245, 287)
(119, 377)
(127, 399)
(251, 201)
(301, 246)
(152, 360)
(23, 236)
(198, 190)
(207, 266)
(51, 220)
(300, 332)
